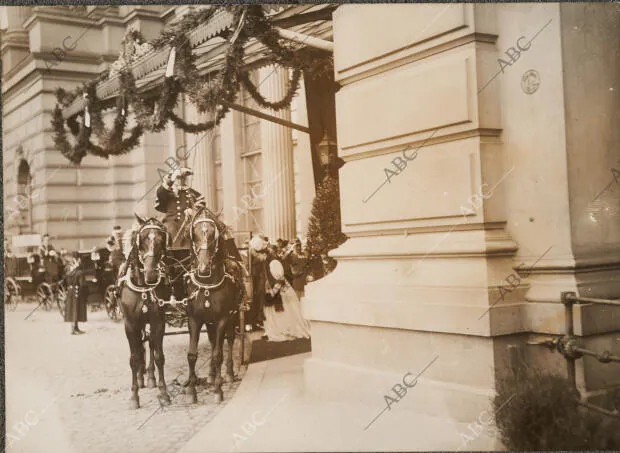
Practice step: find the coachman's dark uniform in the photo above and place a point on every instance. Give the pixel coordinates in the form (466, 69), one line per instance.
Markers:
(50, 263)
(173, 205)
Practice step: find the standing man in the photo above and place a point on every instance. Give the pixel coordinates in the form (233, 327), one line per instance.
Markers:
(115, 246)
(49, 260)
(45, 248)
(75, 309)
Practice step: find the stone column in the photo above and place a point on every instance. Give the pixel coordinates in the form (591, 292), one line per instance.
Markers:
(230, 140)
(304, 176)
(278, 171)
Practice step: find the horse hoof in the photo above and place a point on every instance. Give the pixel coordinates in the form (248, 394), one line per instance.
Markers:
(164, 399)
(151, 383)
(229, 378)
(134, 404)
(210, 380)
(218, 397)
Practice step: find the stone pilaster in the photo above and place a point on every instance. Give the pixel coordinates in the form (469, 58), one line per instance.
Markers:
(231, 167)
(278, 171)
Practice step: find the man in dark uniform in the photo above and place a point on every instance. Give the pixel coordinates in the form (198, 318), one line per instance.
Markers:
(115, 246)
(75, 309)
(179, 203)
(49, 261)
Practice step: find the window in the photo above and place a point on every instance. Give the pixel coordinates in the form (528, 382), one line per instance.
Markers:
(217, 166)
(23, 198)
(251, 202)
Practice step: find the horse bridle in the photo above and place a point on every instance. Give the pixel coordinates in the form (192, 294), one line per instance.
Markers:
(155, 227)
(204, 245)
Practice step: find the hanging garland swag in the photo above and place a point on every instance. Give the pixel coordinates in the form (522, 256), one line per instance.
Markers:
(210, 93)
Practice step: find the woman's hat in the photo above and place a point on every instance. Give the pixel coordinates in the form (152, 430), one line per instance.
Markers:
(276, 269)
(258, 244)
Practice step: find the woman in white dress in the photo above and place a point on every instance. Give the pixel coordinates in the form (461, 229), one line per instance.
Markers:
(283, 321)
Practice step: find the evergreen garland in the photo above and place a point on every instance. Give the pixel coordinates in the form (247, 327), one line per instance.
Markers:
(223, 88)
(151, 112)
(324, 228)
(293, 86)
(75, 153)
(211, 93)
(112, 142)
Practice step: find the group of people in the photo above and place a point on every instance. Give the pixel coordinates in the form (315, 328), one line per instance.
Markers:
(279, 274)
(280, 270)
(51, 266)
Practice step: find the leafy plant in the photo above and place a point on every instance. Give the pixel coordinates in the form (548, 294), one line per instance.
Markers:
(544, 414)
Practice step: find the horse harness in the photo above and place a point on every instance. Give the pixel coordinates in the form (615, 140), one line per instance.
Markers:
(206, 287)
(148, 291)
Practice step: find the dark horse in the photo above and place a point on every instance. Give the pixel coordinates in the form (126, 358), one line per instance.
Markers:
(143, 292)
(215, 290)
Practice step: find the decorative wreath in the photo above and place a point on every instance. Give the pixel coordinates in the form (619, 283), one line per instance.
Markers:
(210, 93)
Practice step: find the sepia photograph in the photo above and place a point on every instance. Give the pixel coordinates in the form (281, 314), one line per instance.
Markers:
(303, 227)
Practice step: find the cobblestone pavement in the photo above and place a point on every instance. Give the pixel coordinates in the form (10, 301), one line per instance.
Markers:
(71, 393)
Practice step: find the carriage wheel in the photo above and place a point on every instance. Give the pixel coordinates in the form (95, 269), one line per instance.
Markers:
(111, 304)
(45, 296)
(61, 299)
(11, 293)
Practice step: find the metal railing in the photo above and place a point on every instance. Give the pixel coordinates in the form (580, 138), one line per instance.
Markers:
(571, 348)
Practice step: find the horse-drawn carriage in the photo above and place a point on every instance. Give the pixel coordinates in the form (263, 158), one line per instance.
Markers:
(198, 286)
(30, 277)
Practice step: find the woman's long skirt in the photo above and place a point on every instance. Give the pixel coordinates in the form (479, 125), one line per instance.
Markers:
(288, 324)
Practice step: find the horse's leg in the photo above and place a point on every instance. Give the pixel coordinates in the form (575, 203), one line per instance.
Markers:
(134, 362)
(151, 382)
(211, 331)
(142, 364)
(192, 355)
(216, 357)
(229, 376)
(157, 341)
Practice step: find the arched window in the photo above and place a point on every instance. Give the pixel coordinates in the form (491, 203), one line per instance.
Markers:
(23, 198)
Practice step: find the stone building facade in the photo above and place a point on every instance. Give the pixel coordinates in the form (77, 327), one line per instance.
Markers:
(513, 112)
(508, 175)
(44, 48)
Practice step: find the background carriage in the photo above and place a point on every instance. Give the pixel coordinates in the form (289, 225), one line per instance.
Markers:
(29, 278)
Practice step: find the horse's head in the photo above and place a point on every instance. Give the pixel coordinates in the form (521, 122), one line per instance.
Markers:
(151, 242)
(205, 240)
